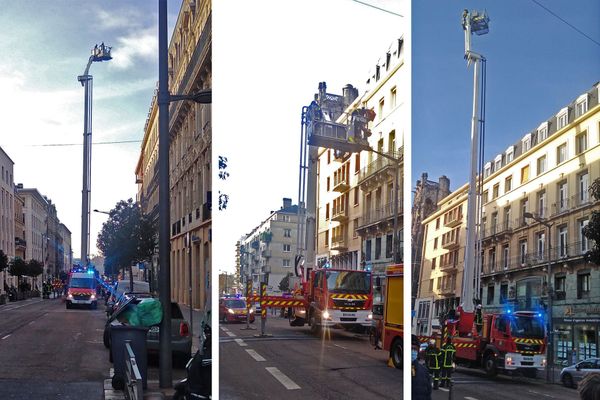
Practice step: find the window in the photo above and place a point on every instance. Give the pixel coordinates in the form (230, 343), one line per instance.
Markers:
(435, 243)
(562, 118)
(541, 202)
(562, 197)
(584, 184)
(524, 206)
(492, 257)
(581, 142)
(356, 195)
(327, 238)
(510, 154)
(541, 165)
(583, 285)
(583, 240)
(355, 228)
(378, 248)
(357, 164)
(562, 241)
(525, 174)
(327, 211)
(496, 191)
(286, 262)
(393, 97)
(484, 197)
(490, 294)
(494, 222)
(328, 184)
(526, 143)
(287, 248)
(507, 218)
(561, 153)
(368, 250)
(505, 256)
(498, 162)
(388, 246)
(523, 251)
(329, 156)
(437, 223)
(508, 184)
(287, 233)
(381, 104)
(541, 240)
(503, 293)
(542, 131)
(431, 285)
(581, 105)
(433, 263)
(487, 170)
(560, 287)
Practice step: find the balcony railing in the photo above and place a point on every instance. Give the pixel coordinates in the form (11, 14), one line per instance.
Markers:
(339, 242)
(376, 215)
(378, 165)
(339, 213)
(20, 243)
(453, 220)
(340, 183)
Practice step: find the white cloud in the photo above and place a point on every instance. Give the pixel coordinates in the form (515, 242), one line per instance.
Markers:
(141, 44)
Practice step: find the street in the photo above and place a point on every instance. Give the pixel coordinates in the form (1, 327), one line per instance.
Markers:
(294, 364)
(472, 384)
(48, 352)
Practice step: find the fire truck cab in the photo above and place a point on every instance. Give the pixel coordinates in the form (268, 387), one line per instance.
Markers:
(82, 289)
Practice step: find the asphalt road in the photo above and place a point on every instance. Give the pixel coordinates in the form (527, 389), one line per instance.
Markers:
(293, 364)
(472, 384)
(48, 352)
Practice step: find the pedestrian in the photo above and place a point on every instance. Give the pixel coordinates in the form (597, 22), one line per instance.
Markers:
(589, 387)
(432, 360)
(448, 353)
(479, 319)
(421, 380)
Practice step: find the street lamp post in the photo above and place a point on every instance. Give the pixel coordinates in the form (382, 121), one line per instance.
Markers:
(550, 293)
(99, 53)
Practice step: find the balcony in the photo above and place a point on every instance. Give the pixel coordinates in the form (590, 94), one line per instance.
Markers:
(339, 243)
(266, 253)
(448, 265)
(497, 232)
(447, 290)
(340, 182)
(382, 217)
(453, 220)
(20, 244)
(378, 172)
(561, 206)
(451, 242)
(339, 214)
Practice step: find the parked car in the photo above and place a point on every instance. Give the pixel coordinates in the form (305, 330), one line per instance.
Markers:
(234, 309)
(570, 376)
(121, 287)
(181, 339)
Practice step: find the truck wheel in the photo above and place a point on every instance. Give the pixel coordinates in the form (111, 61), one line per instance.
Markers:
(396, 353)
(489, 364)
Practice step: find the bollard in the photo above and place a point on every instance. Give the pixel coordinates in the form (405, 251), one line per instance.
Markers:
(263, 308)
(249, 301)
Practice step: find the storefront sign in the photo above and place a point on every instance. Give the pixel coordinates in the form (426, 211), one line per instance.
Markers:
(589, 310)
(577, 320)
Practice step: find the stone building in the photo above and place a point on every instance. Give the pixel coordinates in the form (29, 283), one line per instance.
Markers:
(7, 211)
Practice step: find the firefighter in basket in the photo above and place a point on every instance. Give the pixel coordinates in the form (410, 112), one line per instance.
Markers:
(479, 319)
(448, 352)
(432, 360)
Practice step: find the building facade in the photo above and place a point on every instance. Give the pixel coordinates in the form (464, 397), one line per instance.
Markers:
(190, 158)
(20, 242)
(66, 250)
(535, 204)
(356, 208)
(7, 211)
(267, 253)
(36, 224)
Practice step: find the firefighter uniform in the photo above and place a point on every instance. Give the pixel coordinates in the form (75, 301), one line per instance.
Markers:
(447, 359)
(432, 359)
(479, 320)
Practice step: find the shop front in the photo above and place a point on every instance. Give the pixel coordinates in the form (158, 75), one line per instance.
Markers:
(577, 334)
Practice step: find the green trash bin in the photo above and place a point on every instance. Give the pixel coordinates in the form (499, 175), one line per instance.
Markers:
(119, 333)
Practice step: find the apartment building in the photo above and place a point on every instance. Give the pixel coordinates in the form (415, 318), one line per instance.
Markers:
(7, 217)
(535, 203)
(267, 253)
(356, 209)
(36, 224)
(20, 242)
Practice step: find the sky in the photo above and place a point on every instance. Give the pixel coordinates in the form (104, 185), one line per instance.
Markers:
(45, 45)
(268, 61)
(536, 65)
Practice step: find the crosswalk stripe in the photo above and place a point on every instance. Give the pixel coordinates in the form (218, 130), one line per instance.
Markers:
(255, 355)
(282, 378)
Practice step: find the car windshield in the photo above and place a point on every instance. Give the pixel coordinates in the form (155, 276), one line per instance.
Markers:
(83, 283)
(237, 303)
(528, 327)
(348, 282)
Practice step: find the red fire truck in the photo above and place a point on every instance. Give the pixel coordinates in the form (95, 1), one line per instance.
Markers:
(393, 313)
(82, 288)
(333, 298)
(509, 341)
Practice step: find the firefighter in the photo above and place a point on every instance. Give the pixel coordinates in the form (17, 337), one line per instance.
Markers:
(447, 360)
(432, 359)
(479, 319)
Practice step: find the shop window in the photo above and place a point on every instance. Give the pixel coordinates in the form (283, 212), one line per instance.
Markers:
(503, 293)
(559, 287)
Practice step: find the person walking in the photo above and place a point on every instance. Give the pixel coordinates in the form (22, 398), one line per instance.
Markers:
(420, 378)
(448, 354)
(432, 360)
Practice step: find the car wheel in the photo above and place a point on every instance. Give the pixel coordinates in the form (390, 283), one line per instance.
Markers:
(567, 380)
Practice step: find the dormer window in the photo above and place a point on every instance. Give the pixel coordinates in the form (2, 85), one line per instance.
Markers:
(542, 131)
(581, 105)
(510, 154)
(526, 142)
(562, 118)
(498, 162)
(487, 169)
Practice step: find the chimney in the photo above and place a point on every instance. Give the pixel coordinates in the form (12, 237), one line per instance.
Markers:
(350, 93)
(287, 202)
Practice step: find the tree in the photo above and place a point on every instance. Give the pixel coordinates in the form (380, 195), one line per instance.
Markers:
(18, 268)
(34, 268)
(128, 237)
(592, 230)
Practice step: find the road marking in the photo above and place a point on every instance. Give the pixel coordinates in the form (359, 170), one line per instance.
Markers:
(240, 342)
(282, 378)
(255, 355)
(543, 394)
(342, 347)
(444, 389)
(224, 329)
(31, 323)
(230, 334)
(470, 398)
(6, 336)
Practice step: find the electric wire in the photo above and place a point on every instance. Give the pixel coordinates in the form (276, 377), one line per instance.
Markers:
(81, 144)
(566, 22)
(378, 8)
